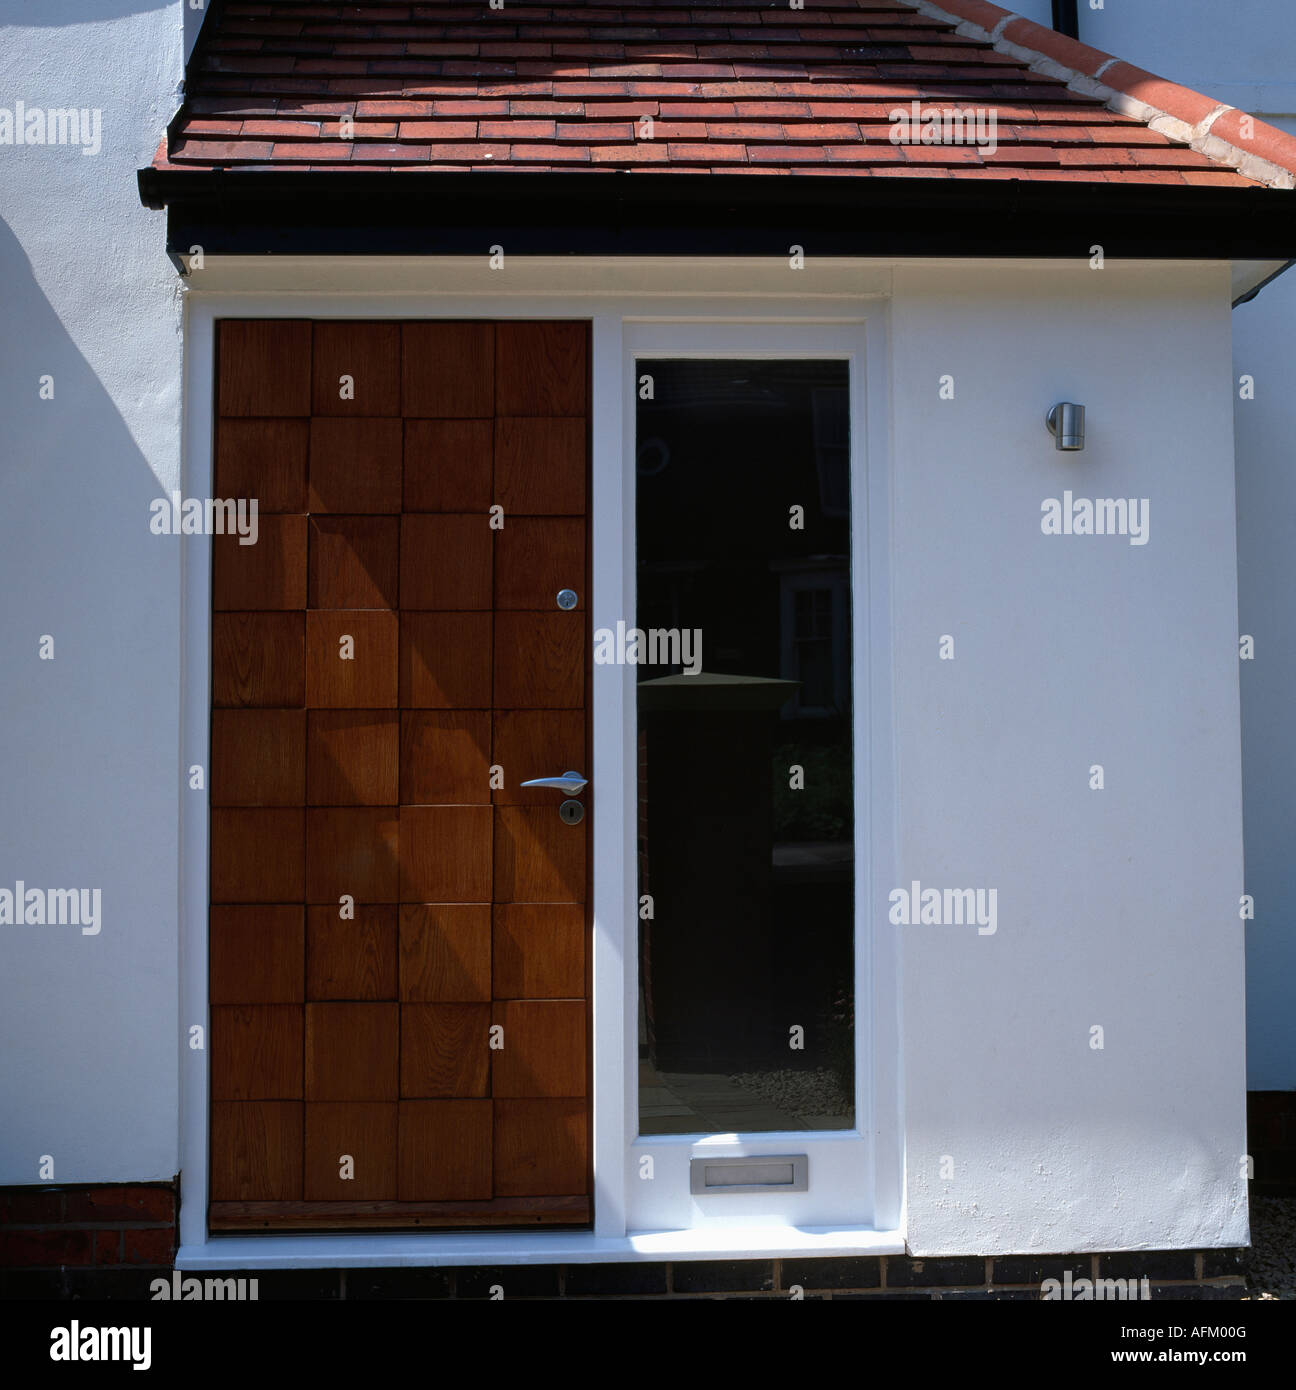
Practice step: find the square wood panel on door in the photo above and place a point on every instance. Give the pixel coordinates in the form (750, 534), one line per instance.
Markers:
(399, 931)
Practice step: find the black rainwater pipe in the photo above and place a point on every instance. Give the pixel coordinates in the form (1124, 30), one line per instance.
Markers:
(1065, 19)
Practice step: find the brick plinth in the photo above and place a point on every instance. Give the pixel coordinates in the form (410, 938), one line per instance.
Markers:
(113, 1241)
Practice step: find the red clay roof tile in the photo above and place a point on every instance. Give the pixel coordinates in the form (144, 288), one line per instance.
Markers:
(729, 88)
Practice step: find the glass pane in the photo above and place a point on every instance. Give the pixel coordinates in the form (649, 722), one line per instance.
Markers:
(742, 648)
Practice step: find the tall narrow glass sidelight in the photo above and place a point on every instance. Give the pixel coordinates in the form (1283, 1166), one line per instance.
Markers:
(745, 808)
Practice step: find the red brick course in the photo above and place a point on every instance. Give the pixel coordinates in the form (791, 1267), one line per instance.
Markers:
(153, 1247)
(102, 1225)
(150, 1205)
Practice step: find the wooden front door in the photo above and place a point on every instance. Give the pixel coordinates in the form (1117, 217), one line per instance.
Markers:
(399, 937)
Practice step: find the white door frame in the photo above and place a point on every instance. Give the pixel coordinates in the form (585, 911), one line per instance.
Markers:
(842, 1187)
(625, 299)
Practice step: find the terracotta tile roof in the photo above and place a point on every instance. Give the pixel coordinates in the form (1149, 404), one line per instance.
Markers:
(731, 86)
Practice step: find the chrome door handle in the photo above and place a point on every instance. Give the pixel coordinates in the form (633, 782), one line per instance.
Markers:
(570, 783)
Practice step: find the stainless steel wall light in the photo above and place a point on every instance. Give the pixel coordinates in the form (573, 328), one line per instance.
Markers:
(1066, 424)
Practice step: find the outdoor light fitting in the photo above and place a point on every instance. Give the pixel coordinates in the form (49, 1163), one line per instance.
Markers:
(1066, 424)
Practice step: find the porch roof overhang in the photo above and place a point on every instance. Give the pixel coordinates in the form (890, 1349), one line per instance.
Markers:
(610, 127)
(235, 212)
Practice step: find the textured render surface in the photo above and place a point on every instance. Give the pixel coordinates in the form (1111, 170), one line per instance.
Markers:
(1117, 908)
(89, 740)
(734, 88)
(1264, 349)
(91, 1023)
(1245, 55)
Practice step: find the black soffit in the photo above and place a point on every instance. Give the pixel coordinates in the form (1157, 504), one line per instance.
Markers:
(300, 212)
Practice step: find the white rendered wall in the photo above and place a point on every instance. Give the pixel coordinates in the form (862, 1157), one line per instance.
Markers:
(194, 13)
(1244, 54)
(1116, 908)
(89, 1033)
(1264, 347)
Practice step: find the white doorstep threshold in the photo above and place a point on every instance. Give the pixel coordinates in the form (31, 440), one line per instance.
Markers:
(389, 1250)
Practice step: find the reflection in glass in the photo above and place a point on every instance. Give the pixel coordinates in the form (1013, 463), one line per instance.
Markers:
(746, 851)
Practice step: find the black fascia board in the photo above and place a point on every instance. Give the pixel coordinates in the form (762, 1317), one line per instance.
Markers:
(382, 212)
